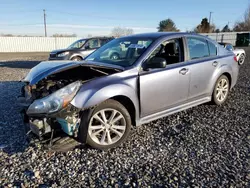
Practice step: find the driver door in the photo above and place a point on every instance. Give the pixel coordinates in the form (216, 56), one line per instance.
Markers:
(90, 46)
(164, 88)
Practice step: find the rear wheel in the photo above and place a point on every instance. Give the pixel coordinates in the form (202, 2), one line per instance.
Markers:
(108, 126)
(114, 56)
(241, 59)
(221, 90)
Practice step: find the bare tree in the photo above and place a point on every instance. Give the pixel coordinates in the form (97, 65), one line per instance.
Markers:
(119, 31)
(243, 25)
(64, 35)
(7, 35)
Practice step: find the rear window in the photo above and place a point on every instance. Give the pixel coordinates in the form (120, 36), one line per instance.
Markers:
(212, 49)
(198, 48)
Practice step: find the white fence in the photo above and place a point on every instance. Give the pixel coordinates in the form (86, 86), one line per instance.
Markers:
(229, 37)
(34, 44)
(46, 44)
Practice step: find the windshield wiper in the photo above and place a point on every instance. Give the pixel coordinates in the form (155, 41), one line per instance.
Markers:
(99, 71)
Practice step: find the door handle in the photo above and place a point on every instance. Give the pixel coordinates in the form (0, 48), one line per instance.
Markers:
(215, 63)
(183, 71)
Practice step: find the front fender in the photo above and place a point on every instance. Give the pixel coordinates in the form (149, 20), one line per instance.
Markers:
(90, 95)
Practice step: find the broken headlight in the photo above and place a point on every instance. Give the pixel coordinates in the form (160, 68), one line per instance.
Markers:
(56, 101)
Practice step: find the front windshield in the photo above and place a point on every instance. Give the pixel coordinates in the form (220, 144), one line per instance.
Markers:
(77, 44)
(121, 51)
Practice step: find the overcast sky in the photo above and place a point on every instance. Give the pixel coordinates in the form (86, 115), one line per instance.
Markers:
(98, 17)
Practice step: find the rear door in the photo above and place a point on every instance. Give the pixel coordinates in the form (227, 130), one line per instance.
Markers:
(203, 63)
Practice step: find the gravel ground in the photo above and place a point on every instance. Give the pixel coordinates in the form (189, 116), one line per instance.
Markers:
(206, 146)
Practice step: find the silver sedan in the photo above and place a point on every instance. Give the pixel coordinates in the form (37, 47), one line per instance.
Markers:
(154, 75)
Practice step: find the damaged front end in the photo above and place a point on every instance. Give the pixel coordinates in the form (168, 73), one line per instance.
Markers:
(46, 103)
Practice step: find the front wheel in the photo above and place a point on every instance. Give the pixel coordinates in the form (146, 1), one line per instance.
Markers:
(77, 58)
(108, 126)
(221, 90)
(241, 59)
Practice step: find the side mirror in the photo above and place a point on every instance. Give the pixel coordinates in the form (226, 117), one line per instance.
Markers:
(154, 63)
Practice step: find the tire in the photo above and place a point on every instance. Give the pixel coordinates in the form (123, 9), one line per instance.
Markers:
(114, 56)
(221, 90)
(77, 58)
(103, 134)
(241, 59)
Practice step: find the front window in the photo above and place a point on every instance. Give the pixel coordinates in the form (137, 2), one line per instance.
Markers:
(121, 51)
(170, 50)
(92, 44)
(78, 44)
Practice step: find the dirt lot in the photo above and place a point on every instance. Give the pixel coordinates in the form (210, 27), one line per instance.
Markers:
(206, 146)
(25, 56)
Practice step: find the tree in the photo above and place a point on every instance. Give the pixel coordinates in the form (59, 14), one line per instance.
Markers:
(243, 25)
(119, 31)
(167, 25)
(64, 35)
(217, 30)
(7, 35)
(226, 29)
(203, 27)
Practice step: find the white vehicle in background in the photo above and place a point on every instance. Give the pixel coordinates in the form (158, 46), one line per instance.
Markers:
(240, 53)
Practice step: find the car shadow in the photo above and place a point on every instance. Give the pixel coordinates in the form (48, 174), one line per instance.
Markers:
(19, 64)
(12, 130)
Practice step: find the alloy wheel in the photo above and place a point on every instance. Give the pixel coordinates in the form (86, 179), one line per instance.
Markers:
(241, 59)
(222, 90)
(107, 126)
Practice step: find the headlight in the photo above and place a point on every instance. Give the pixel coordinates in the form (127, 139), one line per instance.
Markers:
(56, 101)
(62, 54)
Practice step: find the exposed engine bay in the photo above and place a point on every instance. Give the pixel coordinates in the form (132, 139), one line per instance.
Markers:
(52, 83)
(66, 117)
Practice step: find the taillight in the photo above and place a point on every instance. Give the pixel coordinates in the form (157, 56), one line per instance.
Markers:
(235, 59)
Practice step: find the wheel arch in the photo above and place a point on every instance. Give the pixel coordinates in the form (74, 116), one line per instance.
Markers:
(124, 94)
(129, 105)
(224, 70)
(228, 75)
(76, 55)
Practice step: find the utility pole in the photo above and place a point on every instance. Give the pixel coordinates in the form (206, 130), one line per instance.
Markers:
(210, 15)
(44, 20)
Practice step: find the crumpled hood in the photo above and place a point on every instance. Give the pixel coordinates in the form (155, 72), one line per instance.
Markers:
(47, 68)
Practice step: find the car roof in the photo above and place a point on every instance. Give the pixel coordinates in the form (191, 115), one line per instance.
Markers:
(156, 35)
(97, 37)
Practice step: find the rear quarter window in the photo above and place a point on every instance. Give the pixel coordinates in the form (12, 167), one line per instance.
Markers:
(212, 49)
